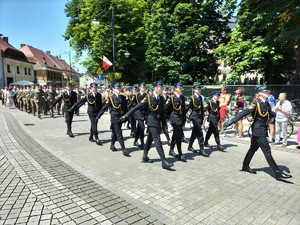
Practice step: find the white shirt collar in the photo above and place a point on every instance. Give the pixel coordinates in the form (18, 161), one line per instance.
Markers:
(177, 95)
(263, 100)
(197, 95)
(155, 95)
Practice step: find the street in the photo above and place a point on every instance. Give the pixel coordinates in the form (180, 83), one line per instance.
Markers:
(49, 178)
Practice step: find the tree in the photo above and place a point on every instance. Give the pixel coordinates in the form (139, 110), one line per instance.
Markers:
(97, 39)
(181, 36)
(264, 39)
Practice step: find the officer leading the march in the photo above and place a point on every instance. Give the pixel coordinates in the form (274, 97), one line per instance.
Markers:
(156, 119)
(70, 98)
(94, 100)
(261, 112)
(197, 117)
(118, 107)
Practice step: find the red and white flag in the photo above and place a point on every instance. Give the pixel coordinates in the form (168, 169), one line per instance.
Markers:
(106, 63)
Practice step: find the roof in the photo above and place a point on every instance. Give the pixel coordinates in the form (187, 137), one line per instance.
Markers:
(45, 58)
(9, 51)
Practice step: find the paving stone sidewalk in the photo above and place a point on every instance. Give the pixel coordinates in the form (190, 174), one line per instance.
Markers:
(38, 188)
(202, 191)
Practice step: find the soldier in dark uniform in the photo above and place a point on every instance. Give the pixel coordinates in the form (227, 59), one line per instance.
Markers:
(262, 113)
(70, 98)
(118, 107)
(176, 107)
(130, 104)
(139, 116)
(197, 117)
(94, 100)
(214, 117)
(156, 119)
(166, 96)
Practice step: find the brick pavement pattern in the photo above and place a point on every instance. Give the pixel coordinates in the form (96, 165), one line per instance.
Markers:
(76, 181)
(38, 188)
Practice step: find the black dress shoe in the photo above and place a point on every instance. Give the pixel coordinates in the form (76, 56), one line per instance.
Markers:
(207, 145)
(281, 175)
(166, 165)
(125, 152)
(191, 149)
(220, 147)
(248, 169)
(113, 148)
(91, 139)
(99, 142)
(141, 146)
(182, 158)
(147, 160)
(71, 134)
(203, 153)
(172, 153)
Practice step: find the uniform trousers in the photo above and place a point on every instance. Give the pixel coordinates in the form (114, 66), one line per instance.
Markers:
(154, 135)
(68, 117)
(260, 142)
(213, 129)
(93, 130)
(117, 134)
(196, 133)
(176, 137)
(140, 131)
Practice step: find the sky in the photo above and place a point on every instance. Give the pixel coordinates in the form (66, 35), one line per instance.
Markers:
(39, 23)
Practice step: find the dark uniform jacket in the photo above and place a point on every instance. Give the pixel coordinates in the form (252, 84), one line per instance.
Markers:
(156, 116)
(262, 113)
(117, 106)
(140, 113)
(94, 103)
(176, 106)
(214, 111)
(69, 100)
(196, 105)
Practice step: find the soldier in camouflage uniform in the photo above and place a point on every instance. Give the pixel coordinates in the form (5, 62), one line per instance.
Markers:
(51, 94)
(59, 103)
(38, 99)
(26, 98)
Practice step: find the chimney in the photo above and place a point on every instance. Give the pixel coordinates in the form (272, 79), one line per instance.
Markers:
(48, 52)
(5, 39)
(22, 45)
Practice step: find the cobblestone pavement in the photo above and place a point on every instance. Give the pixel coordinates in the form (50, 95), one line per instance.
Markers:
(49, 178)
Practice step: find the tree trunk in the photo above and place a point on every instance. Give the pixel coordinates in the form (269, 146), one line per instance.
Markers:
(297, 74)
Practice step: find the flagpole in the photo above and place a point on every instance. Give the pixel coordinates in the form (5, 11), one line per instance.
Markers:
(113, 44)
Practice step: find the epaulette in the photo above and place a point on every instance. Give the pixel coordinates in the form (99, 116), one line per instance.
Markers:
(168, 101)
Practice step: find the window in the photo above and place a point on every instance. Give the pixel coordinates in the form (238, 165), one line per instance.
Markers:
(18, 70)
(25, 70)
(8, 68)
(29, 71)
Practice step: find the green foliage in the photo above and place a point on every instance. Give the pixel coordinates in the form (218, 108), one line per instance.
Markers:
(181, 35)
(264, 39)
(97, 39)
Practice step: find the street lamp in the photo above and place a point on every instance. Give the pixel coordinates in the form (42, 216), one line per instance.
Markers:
(127, 54)
(68, 53)
(95, 22)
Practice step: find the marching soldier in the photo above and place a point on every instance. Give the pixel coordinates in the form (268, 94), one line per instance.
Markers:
(139, 116)
(69, 98)
(166, 97)
(58, 91)
(156, 119)
(118, 107)
(197, 117)
(94, 100)
(51, 94)
(213, 117)
(261, 112)
(176, 106)
(130, 104)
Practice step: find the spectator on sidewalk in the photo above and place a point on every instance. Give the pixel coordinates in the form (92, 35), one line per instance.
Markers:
(272, 101)
(239, 106)
(283, 109)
